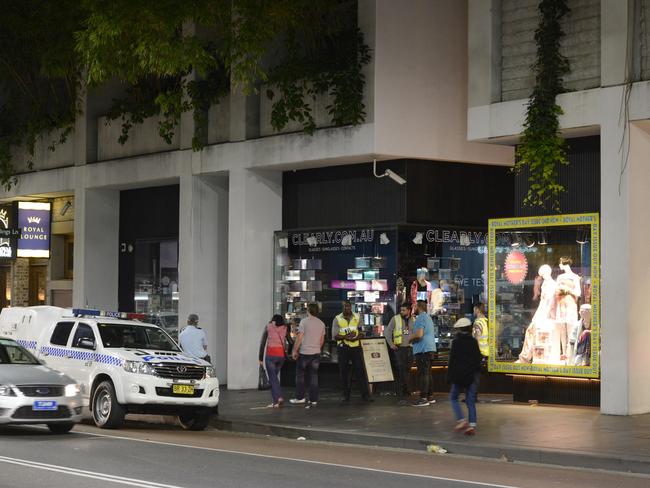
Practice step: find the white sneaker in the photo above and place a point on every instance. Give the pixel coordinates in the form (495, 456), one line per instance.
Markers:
(296, 401)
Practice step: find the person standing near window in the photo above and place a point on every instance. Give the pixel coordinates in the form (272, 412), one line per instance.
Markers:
(307, 350)
(423, 339)
(397, 335)
(346, 331)
(272, 354)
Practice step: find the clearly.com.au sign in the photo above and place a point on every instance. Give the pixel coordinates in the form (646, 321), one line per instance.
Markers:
(34, 223)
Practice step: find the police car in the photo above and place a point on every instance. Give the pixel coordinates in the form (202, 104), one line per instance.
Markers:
(122, 366)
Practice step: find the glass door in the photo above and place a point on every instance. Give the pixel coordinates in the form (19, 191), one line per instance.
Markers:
(156, 276)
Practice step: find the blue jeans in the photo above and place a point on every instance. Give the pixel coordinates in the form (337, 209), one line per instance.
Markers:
(470, 400)
(311, 362)
(273, 367)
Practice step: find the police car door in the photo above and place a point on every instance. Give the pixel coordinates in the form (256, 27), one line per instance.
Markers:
(81, 355)
(54, 350)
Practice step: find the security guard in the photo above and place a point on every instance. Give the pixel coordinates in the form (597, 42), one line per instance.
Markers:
(480, 330)
(397, 334)
(346, 331)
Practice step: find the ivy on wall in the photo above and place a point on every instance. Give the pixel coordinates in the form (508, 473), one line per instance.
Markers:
(542, 149)
(173, 57)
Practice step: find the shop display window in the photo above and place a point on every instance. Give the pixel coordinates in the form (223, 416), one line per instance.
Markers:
(544, 311)
(377, 269)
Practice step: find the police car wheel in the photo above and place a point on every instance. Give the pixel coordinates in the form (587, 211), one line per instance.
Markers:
(198, 420)
(62, 428)
(107, 413)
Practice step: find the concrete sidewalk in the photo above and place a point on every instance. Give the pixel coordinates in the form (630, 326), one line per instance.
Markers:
(566, 436)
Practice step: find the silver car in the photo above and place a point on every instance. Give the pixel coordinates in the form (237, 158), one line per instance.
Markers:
(31, 393)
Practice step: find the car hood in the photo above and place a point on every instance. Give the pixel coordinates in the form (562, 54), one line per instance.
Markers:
(155, 356)
(27, 374)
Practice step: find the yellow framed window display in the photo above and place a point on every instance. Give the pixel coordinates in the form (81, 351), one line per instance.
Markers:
(544, 295)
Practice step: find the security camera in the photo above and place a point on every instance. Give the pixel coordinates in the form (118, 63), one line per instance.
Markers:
(390, 173)
(395, 177)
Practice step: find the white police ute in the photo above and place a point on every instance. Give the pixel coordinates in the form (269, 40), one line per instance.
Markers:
(122, 366)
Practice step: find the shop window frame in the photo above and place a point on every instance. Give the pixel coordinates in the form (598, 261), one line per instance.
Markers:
(546, 222)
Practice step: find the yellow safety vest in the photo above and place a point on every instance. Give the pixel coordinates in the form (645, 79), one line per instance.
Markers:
(398, 331)
(346, 327)
(481, 333)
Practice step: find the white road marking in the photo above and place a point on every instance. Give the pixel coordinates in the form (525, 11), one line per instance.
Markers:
(306, 461)
(85, 474)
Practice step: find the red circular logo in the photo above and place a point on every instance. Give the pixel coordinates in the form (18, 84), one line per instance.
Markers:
(516, 267)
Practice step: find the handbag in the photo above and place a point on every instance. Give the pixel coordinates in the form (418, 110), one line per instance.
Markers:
(263, 381)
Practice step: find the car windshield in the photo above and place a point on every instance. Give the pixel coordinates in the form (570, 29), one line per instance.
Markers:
(136, 337)
(12, 353)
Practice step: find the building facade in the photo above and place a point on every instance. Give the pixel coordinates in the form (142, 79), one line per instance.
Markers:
(160, 228)
(607, 98)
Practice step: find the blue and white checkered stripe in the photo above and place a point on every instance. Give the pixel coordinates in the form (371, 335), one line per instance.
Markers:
(27, 344)
(81, 355)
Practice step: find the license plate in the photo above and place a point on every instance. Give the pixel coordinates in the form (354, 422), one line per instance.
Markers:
(183, 389)
(44, 405)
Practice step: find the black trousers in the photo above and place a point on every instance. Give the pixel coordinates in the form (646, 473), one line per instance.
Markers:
(403, 357)
(423, 362)
(352, 355)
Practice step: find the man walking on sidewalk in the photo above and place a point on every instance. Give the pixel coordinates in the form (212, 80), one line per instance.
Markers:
(397, 335)
(424, 345)
(463, 374)
(307, 349)
(346, 332)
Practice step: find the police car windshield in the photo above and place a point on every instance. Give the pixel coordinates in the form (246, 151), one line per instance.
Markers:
(136, 337)
(12, 353)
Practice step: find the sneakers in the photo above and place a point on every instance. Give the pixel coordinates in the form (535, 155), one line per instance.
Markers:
(422, 402)
(431, 400)
(311, 404)
(273, 405)
(296, 401)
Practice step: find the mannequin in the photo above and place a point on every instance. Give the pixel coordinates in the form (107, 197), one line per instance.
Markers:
(544, 314)
(582, 348)
(421, 285)
(567, 294)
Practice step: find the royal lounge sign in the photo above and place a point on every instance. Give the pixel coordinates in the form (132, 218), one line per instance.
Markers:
(34, 221)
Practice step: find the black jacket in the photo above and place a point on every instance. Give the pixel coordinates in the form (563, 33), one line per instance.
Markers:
(464, 360)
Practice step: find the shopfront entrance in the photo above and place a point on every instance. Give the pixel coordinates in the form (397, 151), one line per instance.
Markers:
(148, 274)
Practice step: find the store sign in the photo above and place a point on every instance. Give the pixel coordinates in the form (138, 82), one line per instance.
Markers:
(8, 232)
(34, 220)
(516, 267)
(376, 360)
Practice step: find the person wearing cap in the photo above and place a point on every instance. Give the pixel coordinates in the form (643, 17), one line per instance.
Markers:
(193, 340)
(463, 374)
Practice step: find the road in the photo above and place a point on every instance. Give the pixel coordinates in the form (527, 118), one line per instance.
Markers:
(159, 456)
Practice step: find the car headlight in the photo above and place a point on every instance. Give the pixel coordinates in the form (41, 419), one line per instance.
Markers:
(6, 390)
(139, 367)
(210, 372)
(71, 390)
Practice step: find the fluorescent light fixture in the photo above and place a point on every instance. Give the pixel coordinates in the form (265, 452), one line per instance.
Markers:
(390, 173)
(383, 239)
(33, 205)
(418, 238)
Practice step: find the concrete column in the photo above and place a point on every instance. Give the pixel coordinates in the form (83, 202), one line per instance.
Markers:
(96, 247)
(625, 269)
(255, 212)
(484, 52)
(203, 260)
(616, 50)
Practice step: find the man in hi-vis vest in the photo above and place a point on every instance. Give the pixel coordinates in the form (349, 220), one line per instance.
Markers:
(346, 330)
(397, 334)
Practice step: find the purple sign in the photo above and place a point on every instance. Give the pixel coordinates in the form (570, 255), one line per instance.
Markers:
(34, 222)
